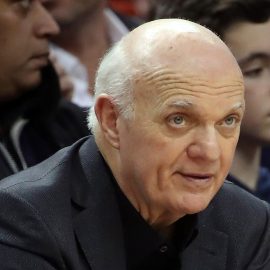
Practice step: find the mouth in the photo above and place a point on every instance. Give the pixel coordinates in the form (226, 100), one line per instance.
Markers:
(198, 177)
(43, 53)
(40, 60)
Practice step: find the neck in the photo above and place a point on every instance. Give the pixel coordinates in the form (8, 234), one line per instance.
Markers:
(246, 163)
(154, 214)
(87, 39)
(167, 232)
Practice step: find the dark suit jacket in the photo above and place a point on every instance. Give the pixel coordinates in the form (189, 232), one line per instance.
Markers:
(63, 214)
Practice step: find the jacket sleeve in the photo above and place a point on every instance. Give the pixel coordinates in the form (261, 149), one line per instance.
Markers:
(25, 240)
(18, 259)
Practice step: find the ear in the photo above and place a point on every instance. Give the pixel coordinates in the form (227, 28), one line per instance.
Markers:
(107, 115)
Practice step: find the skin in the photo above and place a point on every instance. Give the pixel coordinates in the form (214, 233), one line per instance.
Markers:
(83, 31)
(171, 158)
(25, 29)
(66, 12)
(253, 56)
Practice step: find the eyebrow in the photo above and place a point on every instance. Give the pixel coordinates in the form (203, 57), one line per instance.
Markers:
(252, 57)
(239, 105)
(189, 104)
(181, 104)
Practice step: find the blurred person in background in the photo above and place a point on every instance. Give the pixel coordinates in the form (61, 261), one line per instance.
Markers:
(34, 121)
(135, 8)
(266, 157)
(244, 25)
(87, 29)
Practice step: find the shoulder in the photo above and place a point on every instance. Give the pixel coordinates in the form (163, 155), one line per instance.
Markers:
(244, 220)
(235, 229)
(234, 205)
(30, 202)
(241, 198)
(36, 215)
(238, 214)
(39, 181)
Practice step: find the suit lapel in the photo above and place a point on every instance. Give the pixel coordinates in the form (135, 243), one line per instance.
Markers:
(100, 240)
(207, 251)
(98, 226)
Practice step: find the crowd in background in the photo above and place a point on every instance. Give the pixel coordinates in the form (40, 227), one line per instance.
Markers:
(39, 122)
(86, 30)
(50, 51)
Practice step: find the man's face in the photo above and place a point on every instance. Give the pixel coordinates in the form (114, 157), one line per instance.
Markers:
(250, 44)
(24, 29)
(178, 149)
(66, 12)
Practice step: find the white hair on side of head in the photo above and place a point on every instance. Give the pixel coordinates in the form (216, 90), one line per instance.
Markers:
(114, 77)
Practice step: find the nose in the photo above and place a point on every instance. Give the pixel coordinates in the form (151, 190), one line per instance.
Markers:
(205, 145)
(45, 25)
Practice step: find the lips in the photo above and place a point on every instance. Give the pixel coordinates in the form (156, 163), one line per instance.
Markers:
(41, 55)
(198, 176)
(39, 60)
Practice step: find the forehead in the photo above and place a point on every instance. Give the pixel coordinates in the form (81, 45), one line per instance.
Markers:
(193, 66)
(167, 89)
(187, 55)
(245, 39)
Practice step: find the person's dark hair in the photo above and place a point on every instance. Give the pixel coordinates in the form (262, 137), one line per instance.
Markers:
(217, 15)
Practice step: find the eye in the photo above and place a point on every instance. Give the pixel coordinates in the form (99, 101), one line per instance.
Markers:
(177, 120)
(253, 73)
(229, 126)
(231, 121)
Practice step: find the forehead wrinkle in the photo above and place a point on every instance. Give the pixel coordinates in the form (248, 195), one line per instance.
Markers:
(164, 80)
(198, 90)
(187, 104)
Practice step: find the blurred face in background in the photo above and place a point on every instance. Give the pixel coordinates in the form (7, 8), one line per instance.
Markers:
(65, 12)
(250, 44)
(25, 27)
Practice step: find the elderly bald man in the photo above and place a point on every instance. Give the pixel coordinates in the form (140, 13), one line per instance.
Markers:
(147, 191)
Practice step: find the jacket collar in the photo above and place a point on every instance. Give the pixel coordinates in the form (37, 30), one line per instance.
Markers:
(207, 251)
(98, 226)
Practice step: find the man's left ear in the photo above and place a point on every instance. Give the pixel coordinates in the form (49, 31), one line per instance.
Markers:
(107, 114)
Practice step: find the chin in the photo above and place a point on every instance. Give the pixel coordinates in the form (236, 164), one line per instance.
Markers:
(194, 209)
(192, 204)
(31, 81)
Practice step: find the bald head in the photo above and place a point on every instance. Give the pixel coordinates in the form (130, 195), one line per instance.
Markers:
(169, 41)
(172, 107)
(166, 44)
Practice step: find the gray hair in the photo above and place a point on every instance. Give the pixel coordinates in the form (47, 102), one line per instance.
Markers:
(115, 78)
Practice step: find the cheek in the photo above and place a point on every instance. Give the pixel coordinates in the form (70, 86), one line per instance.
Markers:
(15, 50)
(256, 94)
(254, 103)
(150, 156)
(228, 149)
(253, 112)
